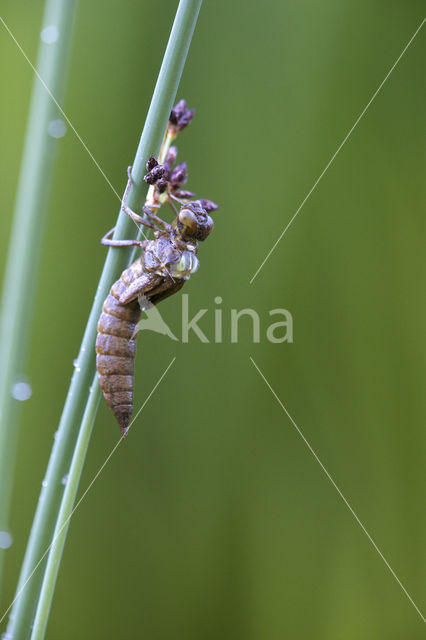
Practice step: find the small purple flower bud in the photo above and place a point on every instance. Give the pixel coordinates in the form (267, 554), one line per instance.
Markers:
(179, 175)
(155, 174)
(171, 156)
(186, 118)
(149, 179)
(208, 205)
(151, 163)
(180, 115)
(177, 112)
(162, 185)
(185, 195)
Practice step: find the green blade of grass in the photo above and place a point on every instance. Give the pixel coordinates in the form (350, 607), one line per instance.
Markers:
(21, 270)
(117, 259)
(68, 499)
(65, 513)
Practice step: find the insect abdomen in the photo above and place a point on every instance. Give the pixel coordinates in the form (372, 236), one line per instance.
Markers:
(115, 348)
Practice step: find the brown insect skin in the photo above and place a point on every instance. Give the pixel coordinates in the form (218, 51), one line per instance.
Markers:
(161, 271)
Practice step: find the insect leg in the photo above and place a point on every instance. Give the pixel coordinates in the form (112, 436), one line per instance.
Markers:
(159, 221)
(162, 288)
(157, 296)
(173, 207)
(134, 216)
(144, 284)
(122, 243)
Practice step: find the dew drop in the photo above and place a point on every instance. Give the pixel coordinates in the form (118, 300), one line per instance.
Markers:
(21, 391)
(56, 128)
(44, 483)
(49, 34)
(5, 541)
(75, 363)
(65, 479)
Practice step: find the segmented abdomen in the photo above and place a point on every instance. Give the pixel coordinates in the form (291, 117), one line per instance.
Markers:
(115, 347)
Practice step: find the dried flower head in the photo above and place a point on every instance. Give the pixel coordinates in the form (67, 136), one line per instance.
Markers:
(167, 178)
(208, 205)
(162, 185)
(185, 195)
(156, 173)
(181, 116)
(171, 156)
(151, 163)
(179, 175)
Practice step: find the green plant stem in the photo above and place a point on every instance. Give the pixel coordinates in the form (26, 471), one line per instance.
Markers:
(21, 272)
(65, 513)
(68, 499)
(117, 259)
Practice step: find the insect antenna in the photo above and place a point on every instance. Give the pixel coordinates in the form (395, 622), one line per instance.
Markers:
(176, 199)
(171, 195)
(153, 217)
(175, 211)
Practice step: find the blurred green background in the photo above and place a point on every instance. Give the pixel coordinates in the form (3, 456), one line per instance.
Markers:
(213, 520)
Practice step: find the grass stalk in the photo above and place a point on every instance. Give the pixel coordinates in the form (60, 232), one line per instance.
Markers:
(65, 513)
(21, 269)
(45, 519)
(71, 486)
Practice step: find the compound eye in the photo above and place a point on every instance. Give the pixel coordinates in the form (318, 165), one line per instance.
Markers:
(204, 228)
(188, 220)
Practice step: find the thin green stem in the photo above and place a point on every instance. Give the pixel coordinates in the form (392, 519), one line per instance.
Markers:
(65, 512)
(117, 259)
(72, 482)
(21, 272)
